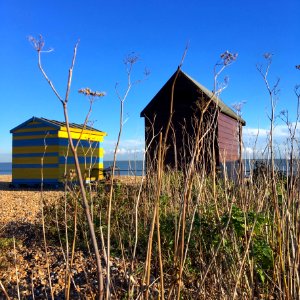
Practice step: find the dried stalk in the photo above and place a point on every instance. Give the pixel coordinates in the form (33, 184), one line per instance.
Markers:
(129, 62)
(43, 219)
(39, 44)
(16, 268)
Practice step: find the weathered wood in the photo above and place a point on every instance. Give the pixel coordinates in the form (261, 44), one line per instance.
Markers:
(219, 126)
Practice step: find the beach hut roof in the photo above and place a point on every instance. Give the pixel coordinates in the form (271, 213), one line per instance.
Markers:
(58, 125)
(222, 106)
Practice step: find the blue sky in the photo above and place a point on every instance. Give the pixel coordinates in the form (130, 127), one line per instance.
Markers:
(158, 32)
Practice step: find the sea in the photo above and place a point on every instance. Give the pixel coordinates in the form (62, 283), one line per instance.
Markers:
(136, 168)
(124, 167)
(5, 168)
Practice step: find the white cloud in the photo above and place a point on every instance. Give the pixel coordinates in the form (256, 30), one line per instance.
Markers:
(256, 140)
(128, 143)
(280, 131)
(248, 150)
(254, 132)
(128, 149)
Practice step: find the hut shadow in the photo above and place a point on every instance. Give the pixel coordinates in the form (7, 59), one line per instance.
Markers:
(26, 232)
(8, 186)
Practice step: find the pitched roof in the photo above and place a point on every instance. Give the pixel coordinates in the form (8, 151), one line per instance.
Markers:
(222, 106)
(56, 124)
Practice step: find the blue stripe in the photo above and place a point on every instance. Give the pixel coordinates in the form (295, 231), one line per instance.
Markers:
(33, 166)
(82, 160)
(82, 143)
(35, 133)
(52, 154)
(29, 181)
(53, 141)
(36, 142)
(38, 126)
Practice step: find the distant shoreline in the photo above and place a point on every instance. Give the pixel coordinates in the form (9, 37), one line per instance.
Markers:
(124, 167)
(124, 179)
(137, 167)
(5, 178)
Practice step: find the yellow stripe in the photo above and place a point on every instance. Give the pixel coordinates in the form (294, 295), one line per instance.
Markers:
(84, 169)
(64, 128)
(34, 173)
(63, 167)
(86, 135)
(101, 152)
(33, 137)
(34, 129)
(48, 173)
(84, 131)
(82, 166)
(95, 152)
(34, 160)
(34, 149)
(81, 151)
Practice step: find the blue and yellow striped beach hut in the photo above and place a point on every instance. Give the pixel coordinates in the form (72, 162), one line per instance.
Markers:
(41, 152)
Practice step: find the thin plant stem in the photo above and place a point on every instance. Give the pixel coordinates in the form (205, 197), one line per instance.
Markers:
(39, 47)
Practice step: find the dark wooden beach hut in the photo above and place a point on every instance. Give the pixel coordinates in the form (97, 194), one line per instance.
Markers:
(41, 152)
(194, 108)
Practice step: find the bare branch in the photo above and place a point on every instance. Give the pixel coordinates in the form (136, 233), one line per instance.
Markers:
(129, 62)
(227, 58)
(238, 106)
(92, 98)
(71, 73)
(38, 45)
(47, 78)
(184, 54)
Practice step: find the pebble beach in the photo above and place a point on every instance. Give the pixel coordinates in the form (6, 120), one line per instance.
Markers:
(21, 205)
(20, 223)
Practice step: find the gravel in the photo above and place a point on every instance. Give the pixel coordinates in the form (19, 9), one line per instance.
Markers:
(24, 261)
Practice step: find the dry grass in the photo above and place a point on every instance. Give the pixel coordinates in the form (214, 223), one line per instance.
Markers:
(235, 244)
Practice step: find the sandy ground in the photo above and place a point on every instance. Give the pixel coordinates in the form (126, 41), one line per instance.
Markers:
(5, 178)
(20, 217)
(22, 204)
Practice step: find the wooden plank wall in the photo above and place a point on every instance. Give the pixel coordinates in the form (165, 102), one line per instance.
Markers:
(228, 138)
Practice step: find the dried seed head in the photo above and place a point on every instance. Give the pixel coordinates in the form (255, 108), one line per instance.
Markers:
(268, 55)
(38, 43)
(131, 58)
(228, 57)
(89, 92)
